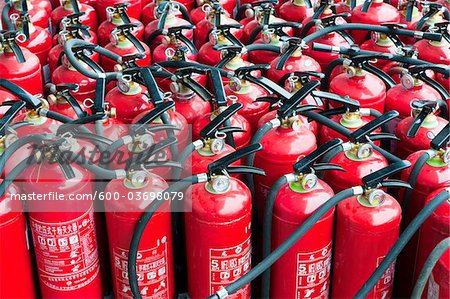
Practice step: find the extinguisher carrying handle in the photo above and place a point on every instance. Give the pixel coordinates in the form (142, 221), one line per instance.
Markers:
(5, 120)
(271, 86)
(218, 89)
(126, 30)
(366, 5)
(360, 135)
(441, 27)
(154, 114)
(426, 108)
(409, 10)
(228, 53)
(73, 20)
(225, 29)
(375, 179)
(441, 140)
(292, 44)
(121, 9)
(290, 106)
(387, 80)
(135, 161)
(382, 136)
(9, 38)
(31, 101)
(432, 9)
(244, 72)
(129, 60)
(438, 68)
(276, 27)
(222, 166)
(210, 130)
(349, 105)
(183, 76)
(157, 97)
(305, 164)
(177, 32)
(64, 91)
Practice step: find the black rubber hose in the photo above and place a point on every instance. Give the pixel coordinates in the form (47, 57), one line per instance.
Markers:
(412, 180)
(182, 158)
(140, 227)
(401, 243)
(15, 172)
(308, 26)
(170, 133)
(262, 47)
(327, 122)
(286, 245)
(5, 16)
(100, 172)
(182, 64)
(431, 261)
(111, 149)
(325, 82)
(267, 231)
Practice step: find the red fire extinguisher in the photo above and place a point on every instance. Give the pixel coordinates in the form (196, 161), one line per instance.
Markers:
(133, 8)
(291, 60)
(62, 101)
(191, 99)
(69, 7)
(14, 245)
(431, 171)
(366, 228)
(270, 35)
(415, 132)
(148, 10)
(410, 14)
(197, 14)
(214, 16)
(433, 12)
(173, 39)
(219, 37)
(358, 157)
(168, 16)
(296, 10)
(372, 12)
(117, 15)
(123, 42)
(212, 145)
(241, 138)
(433, 231)
(37, 40)
(229, 232)
(340, 38)
(38, 10)
(18, 64)
(304, 271)
(74, 20)
(414, 86)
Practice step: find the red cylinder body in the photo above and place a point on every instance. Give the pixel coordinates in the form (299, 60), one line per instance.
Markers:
(155, 257)
(434, 230)
(384, 45)
(263, 57)
(148, 12)
(438, 283)
(312, 126)
(241, 139)
(323, 58)
(27, 75)
(208, 55)
(367, 89)
(159, 53)
(65, 241)
(88, 19)
(125, 49)
(219, 225)
(204, 27)
(408, 145)
(295, 11)
(304, 270)
(105, 28)
(355, 170)
(133, 11)
(14, 249)
(435, 52)
(38, 10)
(191, 106)
(40, 43)
(294, 63)
(171, 21)
(281, 149)
(364, 235)
(250, 26)
(377, 14)
(251, 110)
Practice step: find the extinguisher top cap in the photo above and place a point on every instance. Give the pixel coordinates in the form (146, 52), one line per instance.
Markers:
(211, 129)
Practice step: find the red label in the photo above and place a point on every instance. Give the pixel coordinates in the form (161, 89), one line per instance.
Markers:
(313, 273)
(152, 271)
(66, 252)
(227, 265)
(383, 288)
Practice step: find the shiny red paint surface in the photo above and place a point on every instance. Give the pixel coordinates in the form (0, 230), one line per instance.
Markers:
(241, 139)
(155, 246)
(208, 55)
(364, 235)
(27, 75)
(218, 223)
(323, 58)
(159, 53)
(445, 82)
(105, 28)
(377, 14)
(371, 45)
(326, 134)
(435, 229)
(191, 106)
(133, 10)
(399, 98)
(40, 43)
(38, 10)
(368, 90)
(408, 145)
(354, 170)
(148, 12)
(203, 28)
(293, 64)
(86, 85)
(281, 149)
(40, 178)
(295, 13)
(251, 110)
(171, 21)
(261, 57)
(197, 163)
(294, 274)
(312, 126)
(108, 64)
(4, 97)
(251, 26)
(14, 249)
(396, 75)
(88, 19)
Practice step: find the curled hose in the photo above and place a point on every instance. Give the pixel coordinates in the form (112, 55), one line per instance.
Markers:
(414, 175)
(140, 227)
(286, 245)
(24, 164)
(401, 243)
(267, 232)
(431, 261)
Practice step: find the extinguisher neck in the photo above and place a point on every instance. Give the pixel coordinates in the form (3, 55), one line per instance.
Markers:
(299, 2)
(351, 120)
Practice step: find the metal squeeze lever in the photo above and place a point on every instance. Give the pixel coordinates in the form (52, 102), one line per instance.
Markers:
(183, 76)
(225, 30)
(126, 31)
(121, 10)
(362, 134)
(441, 27)
(5, 120)
(299, 77)
(74, 20)
(291, 44)
(431, 8)
(328, 22)
(228, 53)
(421, 109)
(8, 41)
(419, 71)
(442, 139)
(177, 33)
(129, 61)
(377, 179)
(348, 104)
(245, 73)
(322, 6)
(64, 91)
(291, 107)
(308, 163)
